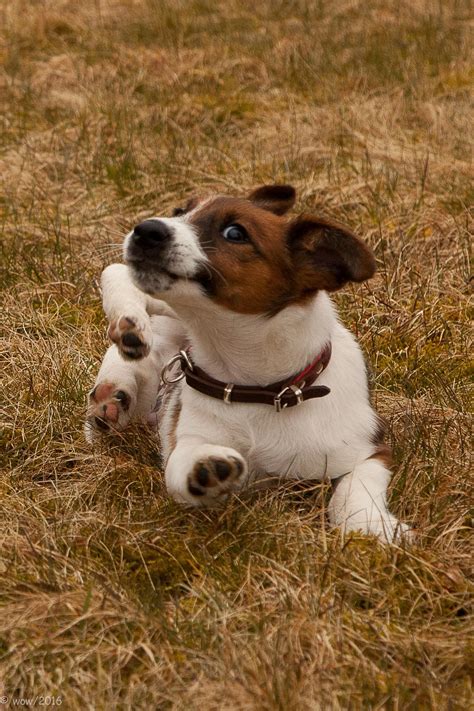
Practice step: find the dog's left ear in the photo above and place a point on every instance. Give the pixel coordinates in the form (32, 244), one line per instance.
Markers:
(326, 255)
(276, 198)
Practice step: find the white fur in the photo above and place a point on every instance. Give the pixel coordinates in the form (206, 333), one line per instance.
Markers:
(326, 437)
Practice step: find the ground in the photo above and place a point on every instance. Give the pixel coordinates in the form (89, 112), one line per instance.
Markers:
(112, 595)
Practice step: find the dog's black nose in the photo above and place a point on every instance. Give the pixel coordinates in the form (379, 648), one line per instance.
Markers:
(151, 233)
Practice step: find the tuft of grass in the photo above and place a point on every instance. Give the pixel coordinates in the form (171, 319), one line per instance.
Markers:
(112, 596)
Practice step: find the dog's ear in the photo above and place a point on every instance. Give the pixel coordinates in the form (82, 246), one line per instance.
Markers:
(276, 198)
(326, 255)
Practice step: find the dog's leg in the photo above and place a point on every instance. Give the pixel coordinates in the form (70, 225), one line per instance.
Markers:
(359, 502)
(126, 390)
(202, 474)
(128, 311)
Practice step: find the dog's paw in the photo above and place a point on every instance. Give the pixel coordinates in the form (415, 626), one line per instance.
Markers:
(132, 335)
(110, 409)
(206, 476)
(215, 476)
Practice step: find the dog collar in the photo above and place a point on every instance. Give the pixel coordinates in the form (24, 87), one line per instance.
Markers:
(285, 393)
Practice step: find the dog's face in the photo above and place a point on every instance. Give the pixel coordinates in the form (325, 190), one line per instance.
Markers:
(243, 254)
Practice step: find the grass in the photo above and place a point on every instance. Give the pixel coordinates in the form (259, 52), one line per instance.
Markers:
(112, 596)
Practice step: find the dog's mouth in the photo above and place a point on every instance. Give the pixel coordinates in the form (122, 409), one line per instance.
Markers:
(155, 277)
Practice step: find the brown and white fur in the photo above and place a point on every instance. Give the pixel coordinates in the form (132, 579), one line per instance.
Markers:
(252, 302)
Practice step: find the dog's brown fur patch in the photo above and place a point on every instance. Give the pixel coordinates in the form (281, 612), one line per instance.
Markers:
(283, 262)
(383, 453)
(249, 278)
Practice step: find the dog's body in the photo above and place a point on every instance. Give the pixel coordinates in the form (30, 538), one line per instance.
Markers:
(246, 294)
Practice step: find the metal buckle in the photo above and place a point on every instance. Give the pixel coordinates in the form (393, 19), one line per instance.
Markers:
(227, 393)
(181, 357)
(277, 399)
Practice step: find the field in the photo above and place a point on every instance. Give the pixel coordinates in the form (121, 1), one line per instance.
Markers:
(112, 596)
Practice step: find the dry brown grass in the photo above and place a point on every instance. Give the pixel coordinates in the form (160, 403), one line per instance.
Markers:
(111, 595)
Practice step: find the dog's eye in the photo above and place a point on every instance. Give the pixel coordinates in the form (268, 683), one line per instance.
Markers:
(235, 233)
(178, 211)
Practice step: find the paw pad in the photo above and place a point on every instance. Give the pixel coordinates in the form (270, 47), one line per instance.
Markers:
(215, 476)
(107, 406)
(129, 337)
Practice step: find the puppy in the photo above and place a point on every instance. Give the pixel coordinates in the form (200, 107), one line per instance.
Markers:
(230, 299)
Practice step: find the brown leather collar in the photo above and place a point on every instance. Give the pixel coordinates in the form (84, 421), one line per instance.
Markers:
(285, 393)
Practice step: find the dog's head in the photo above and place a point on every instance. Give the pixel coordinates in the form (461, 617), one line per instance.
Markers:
(244, 254)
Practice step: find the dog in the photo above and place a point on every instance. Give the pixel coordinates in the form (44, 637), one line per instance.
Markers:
(228, 300)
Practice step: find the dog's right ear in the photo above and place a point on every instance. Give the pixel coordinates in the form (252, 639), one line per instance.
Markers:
(275, 198)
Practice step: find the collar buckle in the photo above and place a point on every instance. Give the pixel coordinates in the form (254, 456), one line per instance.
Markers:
(277, 399)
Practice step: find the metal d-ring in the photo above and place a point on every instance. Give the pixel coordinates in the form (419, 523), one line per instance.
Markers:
(227, 393)
(182, 358)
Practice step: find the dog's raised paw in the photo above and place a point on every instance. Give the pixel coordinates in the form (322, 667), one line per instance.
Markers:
(132, 336)
(215, 476)
(109, 409)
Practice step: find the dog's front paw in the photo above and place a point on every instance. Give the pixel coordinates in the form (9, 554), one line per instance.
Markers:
(215, 473)
(215, 476)
(110, 408)
(132, 335)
